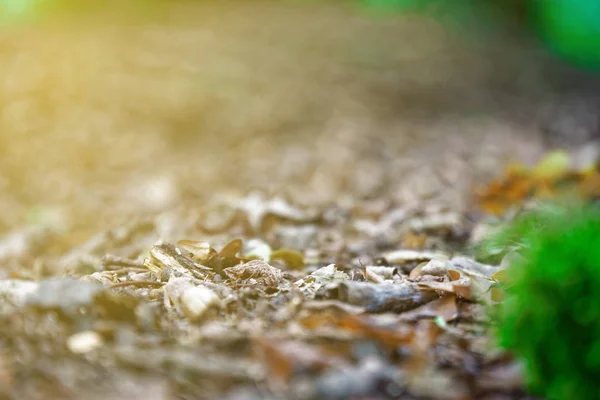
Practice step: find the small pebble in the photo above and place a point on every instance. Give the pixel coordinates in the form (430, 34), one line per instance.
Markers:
(84, 342)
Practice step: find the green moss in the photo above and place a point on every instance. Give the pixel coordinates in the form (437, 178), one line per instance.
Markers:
(551, 316)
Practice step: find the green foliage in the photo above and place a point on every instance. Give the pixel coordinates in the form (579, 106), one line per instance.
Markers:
(551, 316)
(571, 28)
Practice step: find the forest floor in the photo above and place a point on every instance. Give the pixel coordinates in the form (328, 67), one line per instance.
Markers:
(257, 200)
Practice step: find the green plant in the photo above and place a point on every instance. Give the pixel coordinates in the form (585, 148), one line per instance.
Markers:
(551, 315)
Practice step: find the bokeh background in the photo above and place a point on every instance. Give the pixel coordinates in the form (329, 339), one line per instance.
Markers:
(110, 112)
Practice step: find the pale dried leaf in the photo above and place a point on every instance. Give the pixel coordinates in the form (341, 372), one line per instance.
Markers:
(255, 270)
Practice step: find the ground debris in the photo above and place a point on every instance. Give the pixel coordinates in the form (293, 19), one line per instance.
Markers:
(70, 296)
(559, 173)
(395, 297)
(189, 300)
(255, 272)
(341, 312)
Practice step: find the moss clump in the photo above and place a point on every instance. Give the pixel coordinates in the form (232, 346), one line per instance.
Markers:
(551, 316)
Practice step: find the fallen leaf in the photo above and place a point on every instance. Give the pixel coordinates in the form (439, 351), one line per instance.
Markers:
(444, 307)
(391, 338)
(405, 256)
(231, 249)
(201, 252)
(292, 258)
(552, 176)
(284, 359)
(393, 297)
(310, 284)
(255, 271)
(552, 166)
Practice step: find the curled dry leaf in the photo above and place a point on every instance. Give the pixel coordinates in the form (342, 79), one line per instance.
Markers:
(382, 271)
(227, 257)
(406, 256)
(478, 282)
(454, 275)
(201, 252)
(292, 258)
(323, 276)
(416, 271)
(231, 249)
(373, 277)
(166, 260)
(434, 267)
(257, 271)
(465, 288)
(471, 266)
(463, 283)
(106, 278)
(394, 297)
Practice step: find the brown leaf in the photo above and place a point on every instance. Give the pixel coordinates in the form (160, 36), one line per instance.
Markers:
(444, 307)
(437, 286)
(453, 274)
(462, 288)
(359, 326)
(394, 297)
(292, 258)
(255, 270)
(391, 338)
(231, 249)
(200, 252)
(285, 358)
(548, 178)
(416, 271)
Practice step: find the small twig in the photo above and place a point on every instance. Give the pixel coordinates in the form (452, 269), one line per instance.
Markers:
(129, 269)
(137, 283)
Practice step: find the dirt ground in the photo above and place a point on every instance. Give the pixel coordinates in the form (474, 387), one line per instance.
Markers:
(280, 94)
(105, 121)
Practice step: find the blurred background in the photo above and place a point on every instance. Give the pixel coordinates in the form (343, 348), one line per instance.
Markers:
(127, 109)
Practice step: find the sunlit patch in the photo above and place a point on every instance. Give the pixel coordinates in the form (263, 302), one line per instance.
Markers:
(16, 10)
